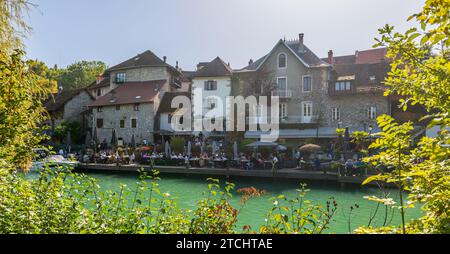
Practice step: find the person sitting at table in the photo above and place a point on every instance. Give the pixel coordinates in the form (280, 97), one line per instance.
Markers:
(274, 161)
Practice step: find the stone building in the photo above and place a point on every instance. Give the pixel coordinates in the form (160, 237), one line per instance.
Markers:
(69, 106)
(300, 81)
(356, 90)
(135, 89)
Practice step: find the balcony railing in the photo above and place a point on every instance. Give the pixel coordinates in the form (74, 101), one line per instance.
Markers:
(282, 93)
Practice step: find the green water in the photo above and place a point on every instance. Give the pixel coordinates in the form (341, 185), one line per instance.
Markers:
(187, 190)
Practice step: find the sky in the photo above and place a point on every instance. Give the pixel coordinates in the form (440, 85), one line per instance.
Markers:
(192, 31)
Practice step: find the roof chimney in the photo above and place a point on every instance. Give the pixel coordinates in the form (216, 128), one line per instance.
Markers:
(164, 58)
(330, 57)
(301, 46)
(250, 62)
(176, 66)
(99, 79)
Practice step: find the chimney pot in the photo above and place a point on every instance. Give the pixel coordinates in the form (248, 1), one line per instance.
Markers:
(330, 57)
(250, 62)
(164, 58)
(301, 46)
(176, 66)
(99, 79)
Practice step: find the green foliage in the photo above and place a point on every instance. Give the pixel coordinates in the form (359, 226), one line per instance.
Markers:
(214, 213)
(340, 132)
(80, 74)
(298, 216)
(48, 75)
(420, 75)
(12, 25)
(178, 144)
(21, 110)
(58, 201)
(74, 128)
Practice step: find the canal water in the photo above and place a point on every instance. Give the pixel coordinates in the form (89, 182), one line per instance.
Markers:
(187, 190)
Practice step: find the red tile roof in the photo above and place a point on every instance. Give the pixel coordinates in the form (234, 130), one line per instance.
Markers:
(371, 56)
(130, 93)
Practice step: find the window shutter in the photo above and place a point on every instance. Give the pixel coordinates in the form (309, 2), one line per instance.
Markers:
(215, 85)
(206, 85)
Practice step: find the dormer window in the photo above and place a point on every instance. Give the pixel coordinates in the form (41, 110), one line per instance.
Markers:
(210, 85)
(120, 77)
(343, 86)
(282, 60)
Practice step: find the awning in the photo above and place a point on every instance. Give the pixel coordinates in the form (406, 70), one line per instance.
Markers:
(321, 132)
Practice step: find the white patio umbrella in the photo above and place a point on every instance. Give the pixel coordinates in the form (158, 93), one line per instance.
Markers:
(213, 146)
(235, 150)
(167, 148)
(189, 148)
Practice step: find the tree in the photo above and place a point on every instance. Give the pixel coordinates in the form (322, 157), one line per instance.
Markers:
(21, 109)
(80, 74)
(423, 78)
(48, 75)
(12, 26)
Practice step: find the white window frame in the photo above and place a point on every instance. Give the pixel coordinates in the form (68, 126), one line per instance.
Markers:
(283, 110)
(122, 76)
(285, 60)
(372, 112)
(278, 86)
(335, 114)
(303, 109)
(131, 123)
(303, 83)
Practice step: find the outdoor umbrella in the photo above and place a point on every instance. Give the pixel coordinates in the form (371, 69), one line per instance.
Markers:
(310, 147)
(113, 138)
(262, 144)
(189, 148)
(213, 147)
(167, 148)
(133, 142)
(235, 150)
(281, 148)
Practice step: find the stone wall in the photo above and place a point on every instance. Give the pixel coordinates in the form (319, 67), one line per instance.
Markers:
(141, 74)
(74, 107)
(353, 109)
(111, 120)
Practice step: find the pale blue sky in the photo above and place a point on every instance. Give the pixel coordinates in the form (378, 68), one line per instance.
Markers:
(199, 30)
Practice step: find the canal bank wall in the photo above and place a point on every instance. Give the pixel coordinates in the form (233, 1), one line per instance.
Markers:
(292, 174)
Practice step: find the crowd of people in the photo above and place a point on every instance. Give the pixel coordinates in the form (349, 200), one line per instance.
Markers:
(218, 159)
